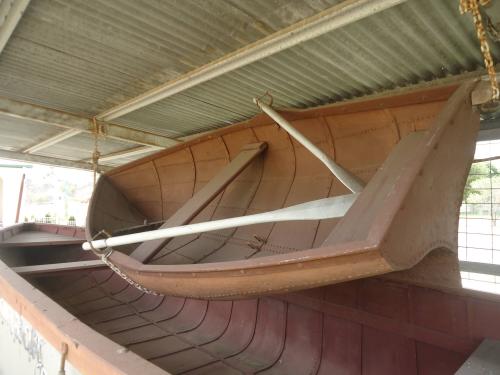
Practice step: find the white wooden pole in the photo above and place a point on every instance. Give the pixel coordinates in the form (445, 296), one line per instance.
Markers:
(326, 208)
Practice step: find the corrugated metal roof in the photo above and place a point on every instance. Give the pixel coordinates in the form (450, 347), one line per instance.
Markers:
(85, 57)
(19, 134)
(415, 42)
(81, 146)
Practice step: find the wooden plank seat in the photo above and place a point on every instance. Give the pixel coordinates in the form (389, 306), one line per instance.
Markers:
(201, 199)
(56, 268)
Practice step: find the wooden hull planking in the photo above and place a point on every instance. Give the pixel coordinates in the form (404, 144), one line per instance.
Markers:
(414, 159)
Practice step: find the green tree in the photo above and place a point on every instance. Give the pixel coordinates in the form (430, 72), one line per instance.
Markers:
(479, 175)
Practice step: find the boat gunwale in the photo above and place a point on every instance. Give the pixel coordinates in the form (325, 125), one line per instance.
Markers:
(369, 240)
(375, 235)
(414, 97)
(58, 326)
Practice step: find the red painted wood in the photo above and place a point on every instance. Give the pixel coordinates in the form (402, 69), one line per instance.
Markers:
(385, 299)
(338, 329)
(388, 353)
(483, 316)
(206, 164)
(437, 361)
(213, 325)
(303, 330)
(341, 352)
(439, 311)
(239, 332)
(371, 326)
(268, 338)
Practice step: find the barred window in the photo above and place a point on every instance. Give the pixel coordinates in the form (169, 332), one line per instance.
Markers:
(479, 225)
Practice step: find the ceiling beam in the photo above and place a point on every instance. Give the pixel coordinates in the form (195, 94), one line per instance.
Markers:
(140, 137)
(127, 153)
(483, 268)
(14, 14)
(39, 159)
(68, 133)
(337, 16)
(45, 116)
(490, 130)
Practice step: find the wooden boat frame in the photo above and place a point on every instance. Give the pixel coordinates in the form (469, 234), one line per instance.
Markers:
(409, 208)
(356, 326)
(428, 330)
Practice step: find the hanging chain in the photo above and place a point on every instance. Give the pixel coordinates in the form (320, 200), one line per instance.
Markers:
(96, 154)
(104, 256)
(123, 275)
(472, 6)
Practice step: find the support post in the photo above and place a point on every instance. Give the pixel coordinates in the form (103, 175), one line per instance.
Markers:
(52, 140)
(20, 198)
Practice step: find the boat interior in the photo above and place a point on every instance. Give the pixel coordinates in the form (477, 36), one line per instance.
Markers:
(408, 316)
(407, 204)
(398, 323)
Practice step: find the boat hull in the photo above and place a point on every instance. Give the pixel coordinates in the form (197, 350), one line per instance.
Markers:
(413, 158)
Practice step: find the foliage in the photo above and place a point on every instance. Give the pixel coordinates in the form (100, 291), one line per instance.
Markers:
(479, 176)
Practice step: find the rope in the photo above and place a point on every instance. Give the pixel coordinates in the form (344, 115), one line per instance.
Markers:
(268, 95)
(96, 154)
(106, 252)
(472, 6)
(64, 355)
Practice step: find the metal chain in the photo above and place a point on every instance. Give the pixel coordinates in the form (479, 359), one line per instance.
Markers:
(472, 6)
(119, 272)
(104, 254)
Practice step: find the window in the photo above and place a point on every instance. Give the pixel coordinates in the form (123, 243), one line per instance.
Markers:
(479, 225)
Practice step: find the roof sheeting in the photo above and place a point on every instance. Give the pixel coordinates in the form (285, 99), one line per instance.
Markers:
(85, 57)
(94, 54)
(19, 134)
(81, 146)
(411, 43)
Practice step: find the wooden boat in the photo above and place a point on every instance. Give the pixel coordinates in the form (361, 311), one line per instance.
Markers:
(36, 333)
(405, 153)
(291, 297)
(379, 325)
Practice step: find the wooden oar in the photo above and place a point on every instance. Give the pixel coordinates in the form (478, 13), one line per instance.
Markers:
(326, 208)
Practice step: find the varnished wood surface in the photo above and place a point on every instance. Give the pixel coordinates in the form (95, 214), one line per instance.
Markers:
(414, 159)
(56, 268)
(145, 251)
